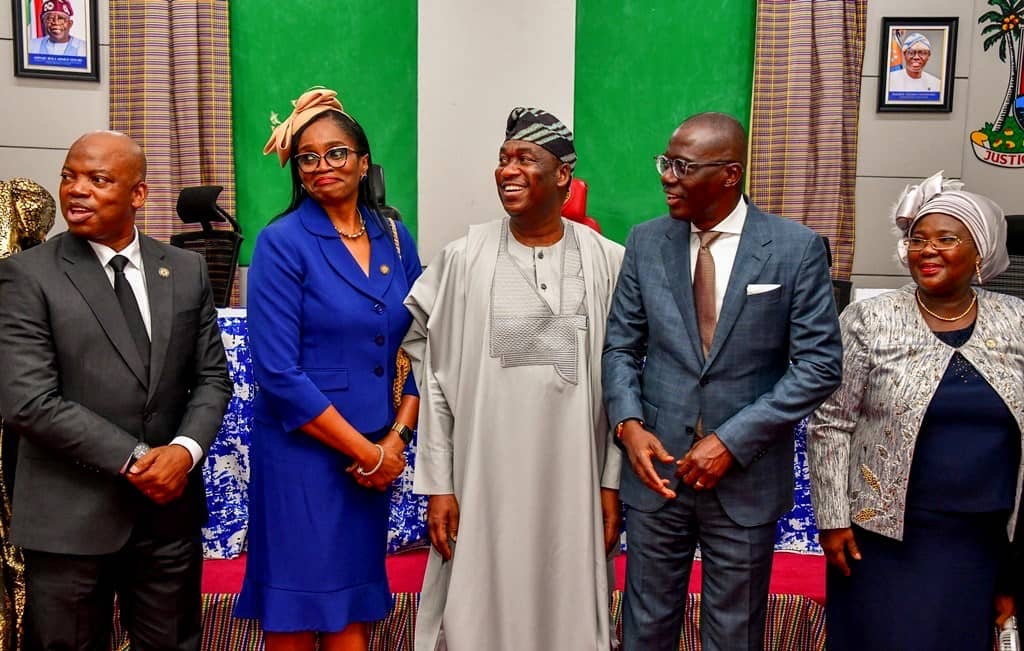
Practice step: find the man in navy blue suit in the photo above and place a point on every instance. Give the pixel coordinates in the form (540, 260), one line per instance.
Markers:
(722, 335)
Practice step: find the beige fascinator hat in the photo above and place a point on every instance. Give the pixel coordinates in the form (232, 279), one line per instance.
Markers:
(310, 104)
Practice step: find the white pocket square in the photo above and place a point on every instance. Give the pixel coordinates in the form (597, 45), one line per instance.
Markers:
(760, 289)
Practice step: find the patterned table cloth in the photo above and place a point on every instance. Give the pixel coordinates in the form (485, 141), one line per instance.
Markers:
(227, 472)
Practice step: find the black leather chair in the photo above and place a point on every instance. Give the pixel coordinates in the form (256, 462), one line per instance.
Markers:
(375, 181)
(841, 289)
(1011, 281)
(220, 247)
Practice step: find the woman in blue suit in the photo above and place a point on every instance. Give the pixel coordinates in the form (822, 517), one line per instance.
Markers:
(326, 286)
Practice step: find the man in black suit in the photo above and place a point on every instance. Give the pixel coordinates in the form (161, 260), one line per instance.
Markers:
(115, 379)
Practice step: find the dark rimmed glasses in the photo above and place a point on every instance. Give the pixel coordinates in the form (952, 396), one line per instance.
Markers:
(336, 157)
(943, 243)
(682, 167)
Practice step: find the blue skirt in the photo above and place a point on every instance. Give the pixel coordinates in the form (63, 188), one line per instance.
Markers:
(317, 540)
(934, 590)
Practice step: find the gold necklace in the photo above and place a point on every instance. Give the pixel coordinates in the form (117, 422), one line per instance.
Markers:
(357, 234)
(974, 299)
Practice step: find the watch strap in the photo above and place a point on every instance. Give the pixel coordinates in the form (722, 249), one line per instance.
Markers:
(404, 432)
(141, 449)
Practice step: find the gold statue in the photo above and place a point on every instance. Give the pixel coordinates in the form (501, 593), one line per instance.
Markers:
(12, 577)
(27, 211)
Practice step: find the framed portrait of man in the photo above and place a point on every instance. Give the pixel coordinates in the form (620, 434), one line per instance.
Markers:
(56, 39)
(916, 64)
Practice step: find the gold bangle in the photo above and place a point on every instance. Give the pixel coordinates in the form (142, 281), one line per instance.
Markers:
(380, 462)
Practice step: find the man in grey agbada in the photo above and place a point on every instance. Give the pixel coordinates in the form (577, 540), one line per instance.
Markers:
(514, 446)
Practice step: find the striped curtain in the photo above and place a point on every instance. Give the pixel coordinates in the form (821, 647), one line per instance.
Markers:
(803, 152)
(170, 89)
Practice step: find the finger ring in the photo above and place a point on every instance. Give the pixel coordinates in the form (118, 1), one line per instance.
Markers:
(699, 484)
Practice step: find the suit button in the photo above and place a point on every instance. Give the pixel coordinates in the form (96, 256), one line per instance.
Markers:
(378, 371)
(704, 381)
(379, 340)
(378, 308)
(690, 430)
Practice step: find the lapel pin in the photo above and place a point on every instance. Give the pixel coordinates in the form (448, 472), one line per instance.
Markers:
(384, 269)
(164, 272)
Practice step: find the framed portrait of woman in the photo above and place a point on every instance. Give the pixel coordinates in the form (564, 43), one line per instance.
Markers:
(56, 39)
(916, 64)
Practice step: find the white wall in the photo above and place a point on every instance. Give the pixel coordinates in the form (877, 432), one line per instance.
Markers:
(502, 55)
(42, 117)
(895, 149)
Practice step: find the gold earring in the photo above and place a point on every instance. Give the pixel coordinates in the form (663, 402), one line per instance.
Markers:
(977, 268)
(568, 195)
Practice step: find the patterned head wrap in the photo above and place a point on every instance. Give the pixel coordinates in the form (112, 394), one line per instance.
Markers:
(310, 104)
(983, 218)
(543, 129)
(915, 38)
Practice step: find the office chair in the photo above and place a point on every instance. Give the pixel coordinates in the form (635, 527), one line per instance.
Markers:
(375, 183)
(841, 289)
(220, 247)
(1011, 281)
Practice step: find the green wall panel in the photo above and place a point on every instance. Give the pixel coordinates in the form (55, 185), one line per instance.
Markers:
(364, 50)
(642, 66)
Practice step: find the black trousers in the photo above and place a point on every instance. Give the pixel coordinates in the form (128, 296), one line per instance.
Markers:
(69, 599)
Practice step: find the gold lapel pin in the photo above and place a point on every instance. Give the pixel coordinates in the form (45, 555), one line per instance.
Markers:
(164, 272)
(384, 269)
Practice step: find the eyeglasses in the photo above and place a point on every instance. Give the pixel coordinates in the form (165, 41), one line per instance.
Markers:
(682, 167)
(919, 54)
(59, 19)
(336, 157)
(944, 243)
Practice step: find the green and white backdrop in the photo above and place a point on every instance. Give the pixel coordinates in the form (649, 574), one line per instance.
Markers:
(433, 82)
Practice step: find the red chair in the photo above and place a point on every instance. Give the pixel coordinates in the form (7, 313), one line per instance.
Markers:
(575, 207)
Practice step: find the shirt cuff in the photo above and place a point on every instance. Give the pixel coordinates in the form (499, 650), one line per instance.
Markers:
(193, 448)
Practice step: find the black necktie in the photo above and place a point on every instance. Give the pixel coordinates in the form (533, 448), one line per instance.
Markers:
(130, 307)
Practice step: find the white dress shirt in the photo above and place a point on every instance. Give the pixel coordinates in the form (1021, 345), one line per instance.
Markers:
(134, 273)
(723, 249)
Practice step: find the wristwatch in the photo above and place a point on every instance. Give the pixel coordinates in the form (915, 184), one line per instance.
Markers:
(404, 432)
(141, 450)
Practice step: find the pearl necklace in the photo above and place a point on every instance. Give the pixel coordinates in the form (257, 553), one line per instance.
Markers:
(357, 234)
(974, 299)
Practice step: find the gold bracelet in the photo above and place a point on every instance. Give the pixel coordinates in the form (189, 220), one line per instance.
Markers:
(380, 462)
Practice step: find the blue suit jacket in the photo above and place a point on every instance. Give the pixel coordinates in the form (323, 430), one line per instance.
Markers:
(320, 331)
(775, 356)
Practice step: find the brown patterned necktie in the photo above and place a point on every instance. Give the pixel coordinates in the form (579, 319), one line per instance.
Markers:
(704, 289)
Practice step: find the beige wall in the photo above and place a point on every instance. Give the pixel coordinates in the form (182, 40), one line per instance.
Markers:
(895, 149)
(41, 117)
(476, 51)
